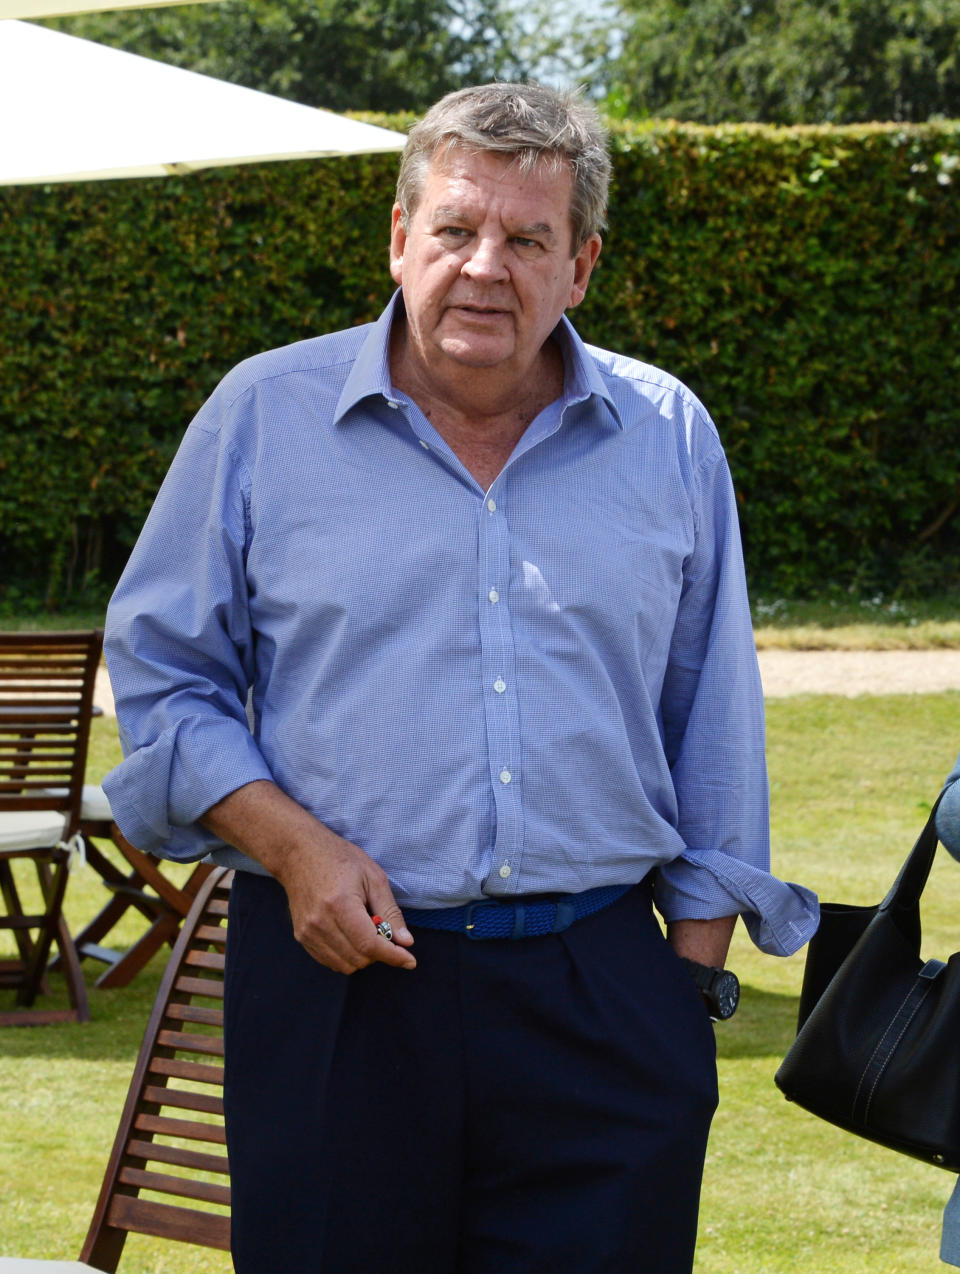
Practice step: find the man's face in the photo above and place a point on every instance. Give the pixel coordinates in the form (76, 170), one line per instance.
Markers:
(485, 264)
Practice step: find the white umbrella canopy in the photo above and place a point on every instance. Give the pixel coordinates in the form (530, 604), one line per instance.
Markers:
(74, 110)
(63, 8)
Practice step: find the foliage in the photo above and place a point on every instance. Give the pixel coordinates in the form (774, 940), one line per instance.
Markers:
(790, 61)
(803, 282)
(320, 52)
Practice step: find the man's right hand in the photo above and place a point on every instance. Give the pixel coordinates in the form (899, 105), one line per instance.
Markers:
(333, 888)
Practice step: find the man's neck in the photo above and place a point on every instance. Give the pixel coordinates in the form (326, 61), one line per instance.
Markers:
(479, 417)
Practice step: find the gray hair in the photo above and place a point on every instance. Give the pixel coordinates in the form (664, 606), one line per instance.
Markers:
(529, 122)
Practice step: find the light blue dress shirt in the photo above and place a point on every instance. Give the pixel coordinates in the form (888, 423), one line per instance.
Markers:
(547, 686)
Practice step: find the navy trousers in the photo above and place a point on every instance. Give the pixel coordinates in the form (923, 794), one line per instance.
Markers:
(509, 1107)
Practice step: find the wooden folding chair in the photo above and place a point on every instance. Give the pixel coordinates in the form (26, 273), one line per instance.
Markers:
(46, 700)
(142, 885)
(170, 1143)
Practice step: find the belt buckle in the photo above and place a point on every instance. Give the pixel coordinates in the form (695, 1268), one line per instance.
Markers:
(469, 924)
(517, 912)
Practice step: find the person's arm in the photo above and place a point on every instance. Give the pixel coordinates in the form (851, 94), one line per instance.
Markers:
(332, 886)
(713, 727)
(180, 650)
(705, 941)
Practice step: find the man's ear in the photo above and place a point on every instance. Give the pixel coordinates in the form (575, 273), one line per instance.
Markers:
(398, 240)
(583, 264)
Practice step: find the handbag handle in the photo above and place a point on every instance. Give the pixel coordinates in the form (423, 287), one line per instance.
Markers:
(903, 900)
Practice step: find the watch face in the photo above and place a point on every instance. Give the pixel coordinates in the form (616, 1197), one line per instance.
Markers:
(726, 991)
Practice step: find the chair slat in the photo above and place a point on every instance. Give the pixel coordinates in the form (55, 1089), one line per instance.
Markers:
(164, 1221)
(206, 960)
(195, 1013)
(178, 1156)
(176, 1068)
(188, 1129)
(182, 1187)
(201, 986)
(212, 933)
(183, 1099)
(187, 1042)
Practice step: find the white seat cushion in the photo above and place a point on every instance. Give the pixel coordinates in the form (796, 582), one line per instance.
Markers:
(95, 805)
(12, 1265)
(30, 829)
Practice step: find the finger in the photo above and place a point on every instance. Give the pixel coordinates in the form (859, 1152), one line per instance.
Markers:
(366, 946)
(391, 940)
(391, 915)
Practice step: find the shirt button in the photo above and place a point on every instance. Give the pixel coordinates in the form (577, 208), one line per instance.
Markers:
(392, 405)
(505, 870)
(424, 445)
(505, 776)
(492, 506)
(499, 685)
(494, 595)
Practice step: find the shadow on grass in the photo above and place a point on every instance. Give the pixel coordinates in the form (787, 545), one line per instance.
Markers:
(764, 1026)
(118, 1021)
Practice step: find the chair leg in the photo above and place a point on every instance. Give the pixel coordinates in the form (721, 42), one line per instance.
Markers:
(164, 929)
(55, 887)
(52, 927)
(11, 899)
(73, 974)
(52, 888)
(126, 893)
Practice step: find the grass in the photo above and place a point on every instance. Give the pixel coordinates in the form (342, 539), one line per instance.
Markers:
(845, 623)
(852, 781)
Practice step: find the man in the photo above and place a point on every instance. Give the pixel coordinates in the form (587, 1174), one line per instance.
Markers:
(486, 587)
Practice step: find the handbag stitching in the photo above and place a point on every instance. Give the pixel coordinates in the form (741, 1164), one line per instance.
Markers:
(891, 1050)
(877, 1048)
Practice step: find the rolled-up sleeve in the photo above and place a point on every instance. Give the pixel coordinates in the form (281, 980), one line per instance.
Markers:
(714, 736)
(180, 653)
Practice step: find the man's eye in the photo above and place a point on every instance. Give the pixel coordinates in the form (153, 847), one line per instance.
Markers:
(455, 232)
(521, 242)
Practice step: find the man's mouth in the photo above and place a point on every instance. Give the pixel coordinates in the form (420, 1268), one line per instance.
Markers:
(481, 310)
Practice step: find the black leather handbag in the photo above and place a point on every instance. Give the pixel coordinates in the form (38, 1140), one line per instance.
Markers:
(876, 1051)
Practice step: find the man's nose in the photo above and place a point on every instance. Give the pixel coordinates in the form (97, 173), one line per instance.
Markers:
(487, 262)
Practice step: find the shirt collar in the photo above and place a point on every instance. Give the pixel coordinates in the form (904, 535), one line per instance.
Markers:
(370, 374)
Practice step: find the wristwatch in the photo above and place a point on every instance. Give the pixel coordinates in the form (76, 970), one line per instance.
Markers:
(719, 987)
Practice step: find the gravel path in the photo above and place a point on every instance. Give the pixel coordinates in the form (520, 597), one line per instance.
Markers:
(793, 672)
(858, 672)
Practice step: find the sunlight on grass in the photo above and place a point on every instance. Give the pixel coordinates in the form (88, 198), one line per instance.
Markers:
(852, 782)
(844, 623)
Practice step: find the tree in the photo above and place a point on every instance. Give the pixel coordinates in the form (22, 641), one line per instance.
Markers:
(382, 55)
(790, 61)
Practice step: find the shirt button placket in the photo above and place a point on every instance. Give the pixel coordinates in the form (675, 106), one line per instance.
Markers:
(499, 693)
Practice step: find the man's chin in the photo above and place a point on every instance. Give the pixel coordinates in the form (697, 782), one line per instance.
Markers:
(470, 352)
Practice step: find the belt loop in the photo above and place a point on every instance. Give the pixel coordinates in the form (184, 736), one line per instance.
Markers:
(518, 920)
(566, 915)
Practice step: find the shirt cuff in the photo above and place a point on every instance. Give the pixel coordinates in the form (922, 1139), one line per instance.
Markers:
(158, 792)
(706, 884)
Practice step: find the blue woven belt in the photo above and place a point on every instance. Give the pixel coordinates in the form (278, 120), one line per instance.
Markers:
(516, 919)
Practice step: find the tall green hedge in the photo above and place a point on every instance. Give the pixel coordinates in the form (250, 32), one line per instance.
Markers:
(804, 282)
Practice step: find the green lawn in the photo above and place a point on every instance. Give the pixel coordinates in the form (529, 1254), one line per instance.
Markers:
(852, 781)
